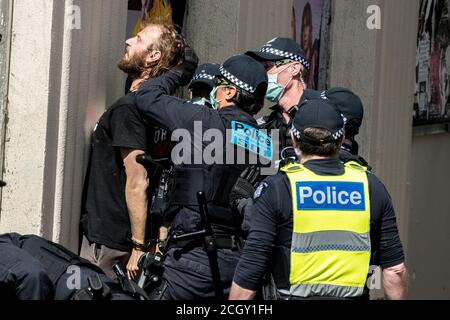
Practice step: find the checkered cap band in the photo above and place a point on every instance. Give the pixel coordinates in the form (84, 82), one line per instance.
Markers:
(236, 81)
(336, 136)
(202, 76)
(323, 95)
(287, 55)
(296, 132)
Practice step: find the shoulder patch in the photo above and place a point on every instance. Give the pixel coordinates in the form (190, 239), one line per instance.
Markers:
(252, 139)
(259, 190)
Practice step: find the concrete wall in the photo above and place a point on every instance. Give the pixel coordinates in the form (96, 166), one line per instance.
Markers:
(211, 27)
(61, 81)
(5, 45)
(220, 29)
(354, 48)
(429, 220)
(379, 66)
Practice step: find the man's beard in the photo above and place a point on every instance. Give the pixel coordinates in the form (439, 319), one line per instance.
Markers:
(134, 66)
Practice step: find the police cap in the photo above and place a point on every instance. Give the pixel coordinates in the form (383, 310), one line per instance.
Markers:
(279, 49)
(244, 72)
(206, 73)
(320, 114)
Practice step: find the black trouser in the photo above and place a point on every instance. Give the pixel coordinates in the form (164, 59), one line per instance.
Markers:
(189, 277)
(22, 277)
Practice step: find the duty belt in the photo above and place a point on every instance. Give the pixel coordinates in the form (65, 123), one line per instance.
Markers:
(222, 242)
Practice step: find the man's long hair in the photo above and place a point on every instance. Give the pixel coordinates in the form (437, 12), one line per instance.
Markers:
(171, 46)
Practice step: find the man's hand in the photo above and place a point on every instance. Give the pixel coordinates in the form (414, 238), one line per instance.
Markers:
(245, 185)
(133, 263)
(187, 68)
(239, 293)
(395, 282)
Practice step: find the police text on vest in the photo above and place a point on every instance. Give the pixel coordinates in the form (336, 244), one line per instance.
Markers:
(330, 195)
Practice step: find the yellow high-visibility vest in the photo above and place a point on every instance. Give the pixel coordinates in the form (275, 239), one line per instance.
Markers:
(330, 252)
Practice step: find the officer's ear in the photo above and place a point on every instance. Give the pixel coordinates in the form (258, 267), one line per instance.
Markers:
(296, 69)
(231, 93)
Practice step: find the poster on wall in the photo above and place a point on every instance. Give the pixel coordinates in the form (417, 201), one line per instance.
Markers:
(306, 30)
(166, 11)
(432, 87)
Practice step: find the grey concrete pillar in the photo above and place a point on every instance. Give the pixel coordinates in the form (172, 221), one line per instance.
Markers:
(63, 75)
(5, 37)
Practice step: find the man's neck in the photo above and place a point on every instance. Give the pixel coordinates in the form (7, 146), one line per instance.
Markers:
(227, 105)
(290, 99)
(135, 85)
(306, 158)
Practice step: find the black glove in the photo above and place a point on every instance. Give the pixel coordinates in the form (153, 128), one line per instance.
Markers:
(187, 68)
(245, 185)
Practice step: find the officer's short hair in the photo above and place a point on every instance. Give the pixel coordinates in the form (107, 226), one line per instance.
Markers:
(318, 127)
(251, 103)
(325, 150)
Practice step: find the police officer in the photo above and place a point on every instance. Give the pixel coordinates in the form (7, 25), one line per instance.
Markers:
(33, 268)
(320, 224)
(285, 63)
(200, 87)
(238, 94)
(203, 82)
(351, 107)
(22, 277)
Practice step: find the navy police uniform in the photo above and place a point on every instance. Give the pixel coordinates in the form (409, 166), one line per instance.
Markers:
(33, 268)
(270, 240)
(22, 277)
(189, 276)
(280, 49)
(161, 147)
(275, 121)
(351, 107)
(347, 103)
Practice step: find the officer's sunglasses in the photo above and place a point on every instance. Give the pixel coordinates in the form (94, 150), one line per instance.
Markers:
(268, 65)
(222, 82)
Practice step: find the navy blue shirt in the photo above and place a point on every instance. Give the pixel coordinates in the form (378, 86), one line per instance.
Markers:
(270, 236)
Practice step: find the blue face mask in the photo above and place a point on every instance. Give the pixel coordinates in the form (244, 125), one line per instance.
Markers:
(274, 90)
(213, 100)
